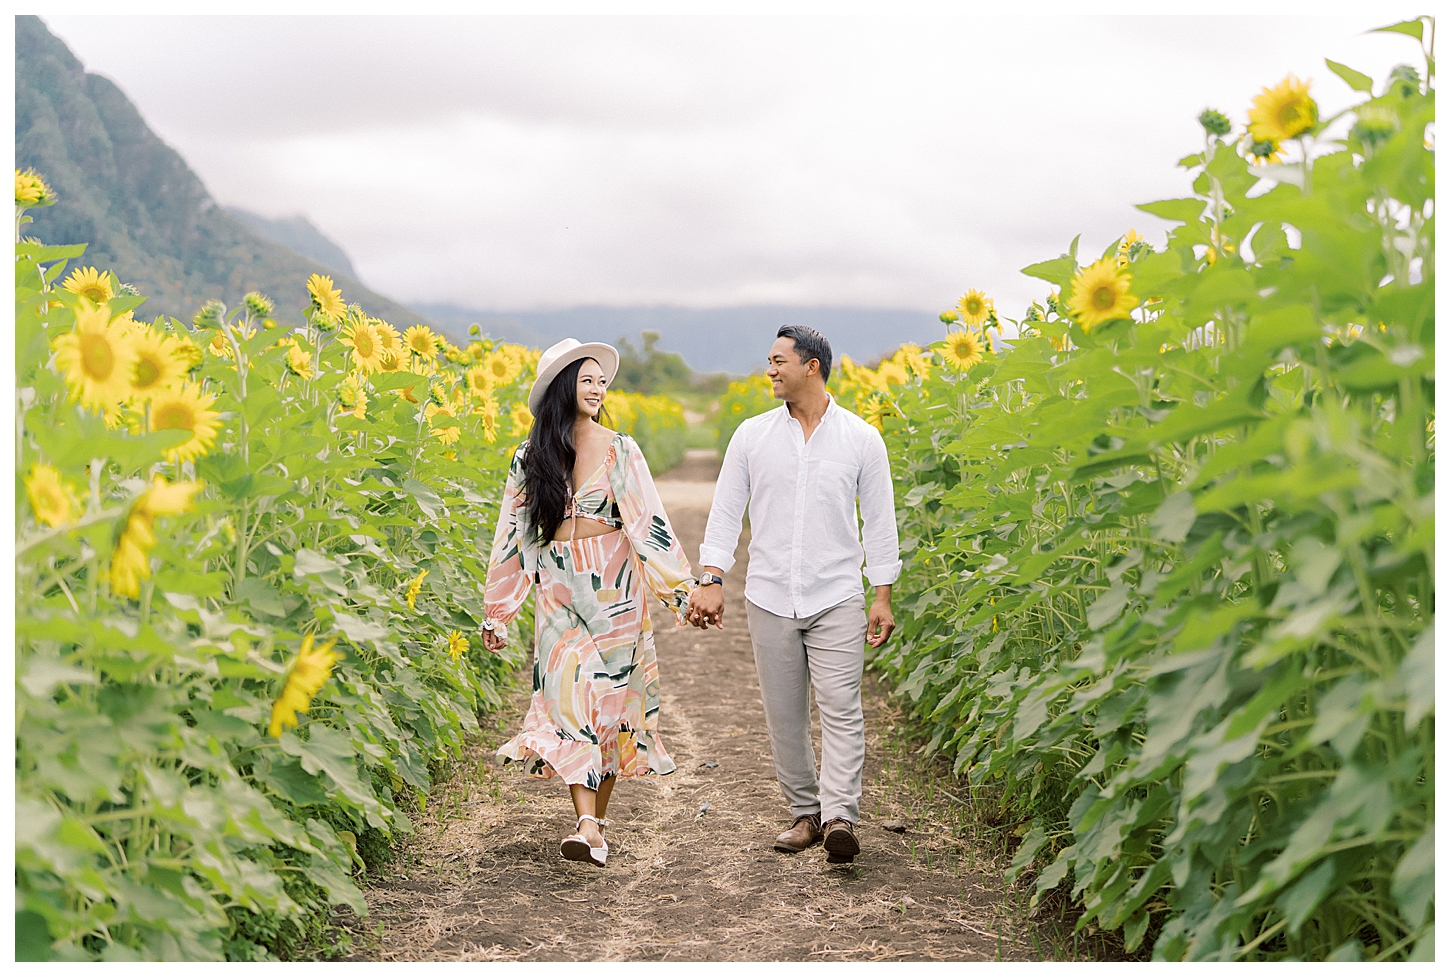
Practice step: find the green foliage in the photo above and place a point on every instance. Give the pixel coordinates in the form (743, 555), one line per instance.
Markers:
(1170, 581)
(651, 370)
(155, 816)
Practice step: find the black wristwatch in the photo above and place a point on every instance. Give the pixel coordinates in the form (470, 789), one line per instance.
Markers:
(706, 579)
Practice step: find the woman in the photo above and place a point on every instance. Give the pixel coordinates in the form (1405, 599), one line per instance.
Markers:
(581, 521)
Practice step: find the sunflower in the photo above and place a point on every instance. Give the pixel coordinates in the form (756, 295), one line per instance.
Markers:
(305, 679)
(51, 499)
(1100, 292)
(353, 396)
(30, 189)
(890, 373)
(488, 417)
(875, 411)
(186, 408)
(187, 347)
(1263, 152)
(1125, 246)
(963, 350)
(220, 346)
(115, 415)
(89, 283)
(973, 308)
(299, 360)
(366, 344)
(521, 420)
(457, 645)
(391, 344)
(97, 358)
(1282, 112)
(421, 342)
(131, 563)
(914, 359)
(326, 299)
(161, 363)
(447, 435)
(480, 381)
(415, 587)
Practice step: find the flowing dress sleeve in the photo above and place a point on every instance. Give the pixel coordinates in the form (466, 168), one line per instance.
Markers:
(666, 568)
(509, 579)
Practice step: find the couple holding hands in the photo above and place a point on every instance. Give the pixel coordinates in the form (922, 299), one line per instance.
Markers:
(582, 525)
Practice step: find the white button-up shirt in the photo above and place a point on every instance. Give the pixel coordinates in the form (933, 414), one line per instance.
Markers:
(806, 547)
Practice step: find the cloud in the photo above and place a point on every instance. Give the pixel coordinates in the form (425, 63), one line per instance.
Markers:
(518, 162)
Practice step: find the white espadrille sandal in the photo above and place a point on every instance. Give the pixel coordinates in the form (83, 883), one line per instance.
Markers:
(576, 848)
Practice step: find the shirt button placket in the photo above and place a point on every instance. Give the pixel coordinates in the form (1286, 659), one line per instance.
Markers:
(798, 536)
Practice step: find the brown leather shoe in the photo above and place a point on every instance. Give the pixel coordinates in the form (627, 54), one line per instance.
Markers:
(841, 844)
(806, 831)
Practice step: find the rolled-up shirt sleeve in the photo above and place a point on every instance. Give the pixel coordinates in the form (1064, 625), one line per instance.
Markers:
(878, 515)
(732, 493)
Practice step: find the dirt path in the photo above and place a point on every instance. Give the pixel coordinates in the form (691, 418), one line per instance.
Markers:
(691, 874)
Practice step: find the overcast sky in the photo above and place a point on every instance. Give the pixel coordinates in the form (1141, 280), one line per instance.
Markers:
(513, 163)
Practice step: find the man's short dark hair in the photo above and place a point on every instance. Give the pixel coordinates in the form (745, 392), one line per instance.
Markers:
(809, 345)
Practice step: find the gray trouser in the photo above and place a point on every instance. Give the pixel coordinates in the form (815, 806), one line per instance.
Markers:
(826, 651)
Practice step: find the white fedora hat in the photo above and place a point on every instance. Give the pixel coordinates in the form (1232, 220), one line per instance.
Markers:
(564, 352)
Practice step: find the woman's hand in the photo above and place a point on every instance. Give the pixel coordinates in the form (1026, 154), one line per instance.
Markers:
(494, 640)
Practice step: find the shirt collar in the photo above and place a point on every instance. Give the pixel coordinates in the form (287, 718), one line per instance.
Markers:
(831, 408)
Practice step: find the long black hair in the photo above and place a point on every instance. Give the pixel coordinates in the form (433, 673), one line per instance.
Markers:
(548, 463)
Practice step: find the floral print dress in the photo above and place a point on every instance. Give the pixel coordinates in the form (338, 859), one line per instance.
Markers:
(595, 707)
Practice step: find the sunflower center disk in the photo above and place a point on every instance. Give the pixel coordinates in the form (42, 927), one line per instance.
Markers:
(174, 418)
(98, 359)
(1105, 297)
(148, 371)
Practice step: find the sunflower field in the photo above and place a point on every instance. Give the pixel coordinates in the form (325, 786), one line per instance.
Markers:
(1169, 586)
(1170, 582)
(250, 560)
(655, 421)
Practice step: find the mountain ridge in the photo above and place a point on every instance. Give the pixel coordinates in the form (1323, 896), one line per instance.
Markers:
(137, 205)
(733, 339)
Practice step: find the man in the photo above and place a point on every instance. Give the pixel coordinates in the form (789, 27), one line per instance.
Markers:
(801, 469)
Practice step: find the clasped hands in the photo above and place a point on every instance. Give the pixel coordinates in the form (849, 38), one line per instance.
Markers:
(706, 607)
